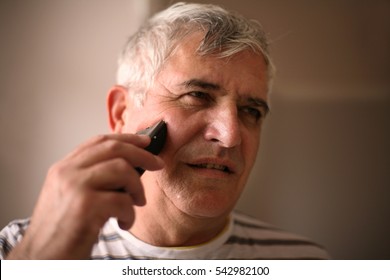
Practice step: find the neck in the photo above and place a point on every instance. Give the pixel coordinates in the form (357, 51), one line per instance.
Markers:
(169, 227)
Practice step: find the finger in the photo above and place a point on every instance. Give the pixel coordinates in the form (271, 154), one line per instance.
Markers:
(124, 211)
(141, 141)
(136, 156)
(116, 175)
(118, 205)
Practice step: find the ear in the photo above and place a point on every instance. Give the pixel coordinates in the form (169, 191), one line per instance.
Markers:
(116, 106)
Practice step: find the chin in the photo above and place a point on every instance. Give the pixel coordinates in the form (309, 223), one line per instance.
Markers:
(209, 204)
(200, 197)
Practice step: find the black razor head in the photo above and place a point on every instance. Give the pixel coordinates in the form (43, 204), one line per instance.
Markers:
(157, 134)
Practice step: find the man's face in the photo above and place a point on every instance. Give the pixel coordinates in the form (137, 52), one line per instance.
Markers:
(214, 109)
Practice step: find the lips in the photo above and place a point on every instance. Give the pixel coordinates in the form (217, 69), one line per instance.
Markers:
(219, 165)
(211, 166)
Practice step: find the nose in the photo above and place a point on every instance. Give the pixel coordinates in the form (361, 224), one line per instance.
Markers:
(224, 126)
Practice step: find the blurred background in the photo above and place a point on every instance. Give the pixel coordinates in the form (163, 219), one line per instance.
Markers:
(323, 169)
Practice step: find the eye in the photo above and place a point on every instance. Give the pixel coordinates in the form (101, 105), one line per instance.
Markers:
(199, 95)
(252, 112)
(197, 98)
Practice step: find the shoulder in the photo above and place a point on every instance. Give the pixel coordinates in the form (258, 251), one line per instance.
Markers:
(269, 242)
(245, 220)
(11, 235)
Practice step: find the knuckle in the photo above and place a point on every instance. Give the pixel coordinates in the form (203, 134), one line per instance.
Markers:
(100, 138)
(60, 177)
(122, 164)
(57, 170)
(113, 145)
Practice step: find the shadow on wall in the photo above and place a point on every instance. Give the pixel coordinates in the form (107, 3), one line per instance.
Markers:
(323, 171)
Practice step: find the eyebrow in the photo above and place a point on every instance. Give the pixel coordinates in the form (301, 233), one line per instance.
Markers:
(200, 84)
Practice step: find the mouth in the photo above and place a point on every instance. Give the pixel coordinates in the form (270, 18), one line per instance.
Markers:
(212, 166)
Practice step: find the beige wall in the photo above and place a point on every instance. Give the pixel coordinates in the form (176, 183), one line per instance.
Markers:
(323, 169)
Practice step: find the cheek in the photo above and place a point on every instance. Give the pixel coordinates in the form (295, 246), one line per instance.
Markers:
(250, 148)
(182, 129)
(136, 119)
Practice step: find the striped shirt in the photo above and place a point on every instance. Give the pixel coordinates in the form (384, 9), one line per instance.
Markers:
(243, 238)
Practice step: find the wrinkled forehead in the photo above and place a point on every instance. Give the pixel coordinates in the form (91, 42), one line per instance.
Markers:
(243, 74)
(186, 55)
(193, 44)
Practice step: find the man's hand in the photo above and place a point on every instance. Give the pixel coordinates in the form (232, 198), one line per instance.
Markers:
(95, 182)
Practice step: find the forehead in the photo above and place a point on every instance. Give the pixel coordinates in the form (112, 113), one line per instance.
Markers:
(242, 73)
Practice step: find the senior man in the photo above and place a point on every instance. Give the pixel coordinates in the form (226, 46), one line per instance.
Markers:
(206, 73)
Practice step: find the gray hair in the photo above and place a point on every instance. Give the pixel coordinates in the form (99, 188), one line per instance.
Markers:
(226, 34)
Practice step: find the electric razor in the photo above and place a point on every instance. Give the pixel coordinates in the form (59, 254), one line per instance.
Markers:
(157, 134)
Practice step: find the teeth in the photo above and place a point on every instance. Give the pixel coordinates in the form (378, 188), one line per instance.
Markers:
(213, 166)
